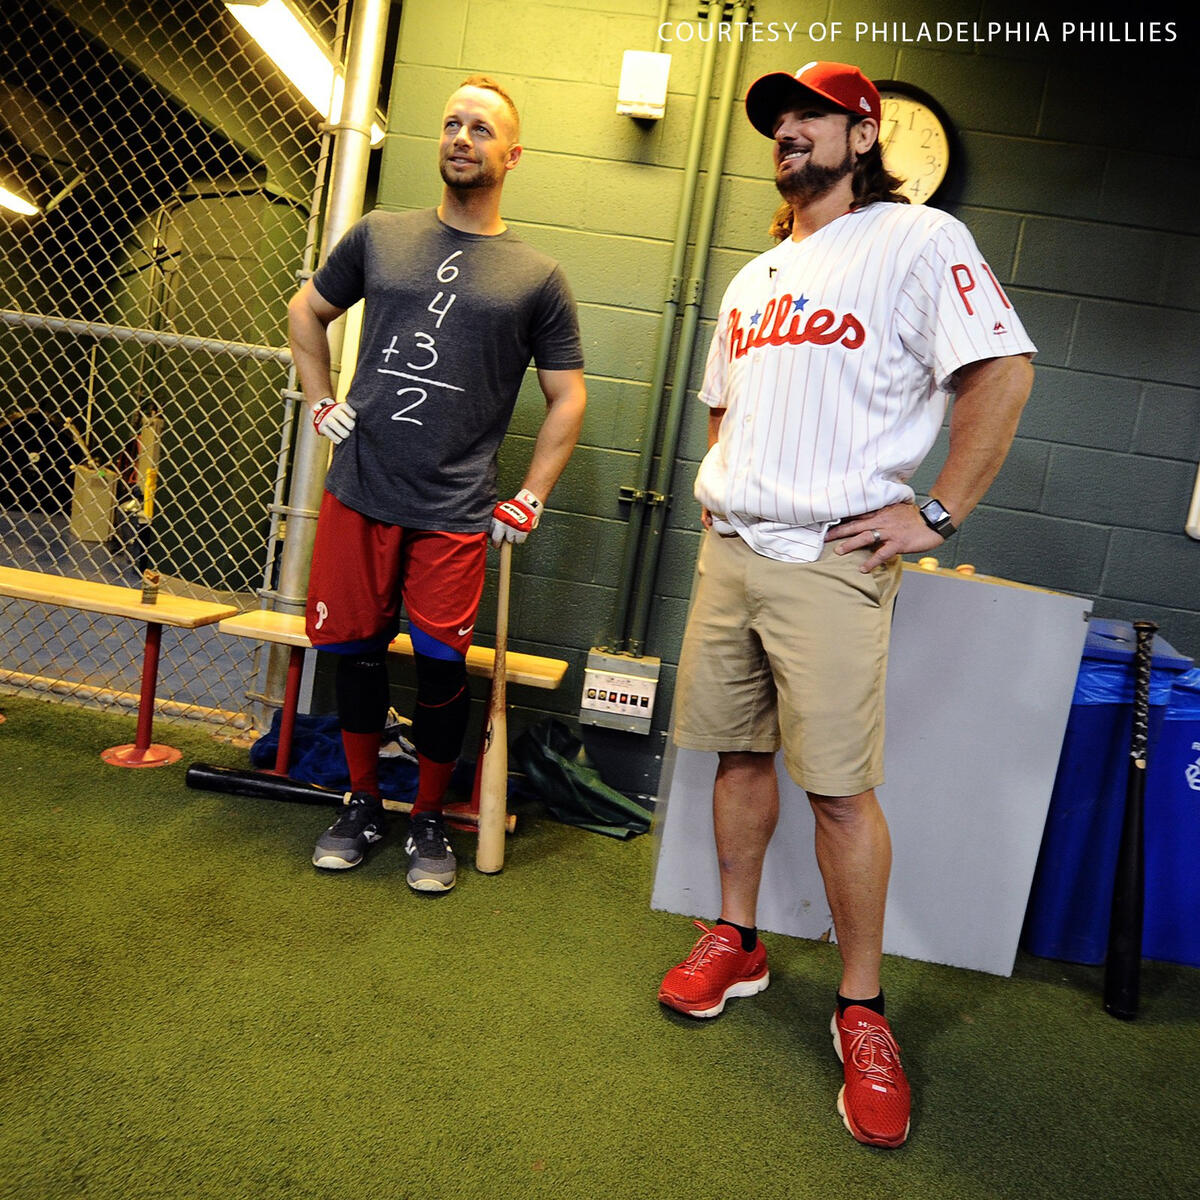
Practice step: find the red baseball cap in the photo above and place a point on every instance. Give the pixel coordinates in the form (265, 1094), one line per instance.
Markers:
(838, 83)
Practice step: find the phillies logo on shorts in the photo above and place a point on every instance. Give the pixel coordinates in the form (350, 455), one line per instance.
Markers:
(772, 327)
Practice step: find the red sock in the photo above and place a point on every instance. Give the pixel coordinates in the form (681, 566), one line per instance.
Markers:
(362, 757)
(432, 780)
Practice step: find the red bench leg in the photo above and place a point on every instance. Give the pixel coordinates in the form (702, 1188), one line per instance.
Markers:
(143, 752)
(287, 714)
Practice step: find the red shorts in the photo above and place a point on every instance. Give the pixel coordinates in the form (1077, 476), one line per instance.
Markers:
(362, 569)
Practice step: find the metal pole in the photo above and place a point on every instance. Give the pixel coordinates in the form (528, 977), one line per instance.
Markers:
(347, 187)
(640, 496)
(290, 394)
(652, 549)
(147, 337)
(663, 9)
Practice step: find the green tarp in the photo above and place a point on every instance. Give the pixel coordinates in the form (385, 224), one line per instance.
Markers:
(558, 773)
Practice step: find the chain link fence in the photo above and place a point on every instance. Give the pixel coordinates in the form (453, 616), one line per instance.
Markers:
(146, 397)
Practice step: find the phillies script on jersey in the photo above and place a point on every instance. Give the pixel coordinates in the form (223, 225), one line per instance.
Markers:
(823, 327)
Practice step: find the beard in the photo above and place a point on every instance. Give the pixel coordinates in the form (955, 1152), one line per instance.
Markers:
(812, 182)
(481, 175)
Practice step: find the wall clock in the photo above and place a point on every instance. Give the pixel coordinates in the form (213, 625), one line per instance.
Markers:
(915, 137)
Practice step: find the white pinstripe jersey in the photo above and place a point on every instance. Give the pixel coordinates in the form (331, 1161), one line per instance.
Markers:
(833, 358)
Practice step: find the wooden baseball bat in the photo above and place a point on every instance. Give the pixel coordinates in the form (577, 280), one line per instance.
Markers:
(1123, 965)
(493, 779)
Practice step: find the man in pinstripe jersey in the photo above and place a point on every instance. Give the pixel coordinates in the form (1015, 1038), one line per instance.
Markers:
(830, 370)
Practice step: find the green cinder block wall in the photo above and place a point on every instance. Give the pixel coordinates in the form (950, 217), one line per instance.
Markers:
(1082, 201)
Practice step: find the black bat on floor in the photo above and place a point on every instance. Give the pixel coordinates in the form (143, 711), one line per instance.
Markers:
(1123, 966)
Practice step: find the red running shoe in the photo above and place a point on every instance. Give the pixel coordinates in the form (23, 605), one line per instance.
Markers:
(716, 969)
(875, 1100)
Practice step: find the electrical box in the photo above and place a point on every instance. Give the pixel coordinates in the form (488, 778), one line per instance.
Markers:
(642, 91)
(618, 691)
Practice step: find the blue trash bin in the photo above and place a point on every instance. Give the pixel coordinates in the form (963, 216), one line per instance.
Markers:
(1071, 895)
(1172, 826)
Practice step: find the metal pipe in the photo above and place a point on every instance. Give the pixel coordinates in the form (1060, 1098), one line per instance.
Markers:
(652, 547)
(347, 188)
(663, 9)
(640, 495)
(148, 337)
(291, 395)
(309, 458)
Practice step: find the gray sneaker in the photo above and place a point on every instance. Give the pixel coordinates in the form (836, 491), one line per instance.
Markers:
(359, 825)
(431, 863)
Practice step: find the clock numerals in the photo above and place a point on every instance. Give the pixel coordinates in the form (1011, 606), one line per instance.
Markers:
(913, 139)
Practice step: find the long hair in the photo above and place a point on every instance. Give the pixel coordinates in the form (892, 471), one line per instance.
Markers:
(871, 182)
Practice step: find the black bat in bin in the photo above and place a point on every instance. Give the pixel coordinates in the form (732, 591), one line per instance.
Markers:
(1123, 964)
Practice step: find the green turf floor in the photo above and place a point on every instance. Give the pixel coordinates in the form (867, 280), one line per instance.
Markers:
(189, 1009)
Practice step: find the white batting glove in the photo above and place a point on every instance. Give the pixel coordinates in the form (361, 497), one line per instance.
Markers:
(334, 420)
(513, 519)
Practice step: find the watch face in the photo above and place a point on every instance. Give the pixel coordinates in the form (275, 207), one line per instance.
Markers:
(914, 141)
(934, 512)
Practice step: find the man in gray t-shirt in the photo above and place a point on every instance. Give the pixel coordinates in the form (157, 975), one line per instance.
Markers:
(456, 308)
(453, 320)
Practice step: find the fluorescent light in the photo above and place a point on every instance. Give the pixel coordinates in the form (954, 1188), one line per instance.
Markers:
(294, 47)
(12, 201)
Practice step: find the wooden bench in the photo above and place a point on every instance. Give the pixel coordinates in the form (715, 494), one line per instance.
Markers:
(182, 612)
(288, 629)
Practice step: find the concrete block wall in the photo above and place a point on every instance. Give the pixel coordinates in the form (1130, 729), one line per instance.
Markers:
(1086, 210)
(1081, 198)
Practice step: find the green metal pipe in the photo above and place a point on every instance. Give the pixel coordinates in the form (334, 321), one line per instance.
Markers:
(666, 335)
(652, 546)
(663, 9)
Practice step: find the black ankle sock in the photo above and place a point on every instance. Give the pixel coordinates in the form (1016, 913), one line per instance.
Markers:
(875, 1004)
(749, 936)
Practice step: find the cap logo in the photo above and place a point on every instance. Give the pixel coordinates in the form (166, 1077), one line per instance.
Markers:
(807, 66)
(863, 104)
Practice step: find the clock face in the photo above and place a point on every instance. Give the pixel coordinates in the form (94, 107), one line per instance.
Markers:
(915, 145)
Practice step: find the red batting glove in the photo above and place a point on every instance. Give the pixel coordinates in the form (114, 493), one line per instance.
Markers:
(334, 420)
(513, 519)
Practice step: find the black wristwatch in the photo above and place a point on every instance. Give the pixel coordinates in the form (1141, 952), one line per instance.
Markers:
(937, 518)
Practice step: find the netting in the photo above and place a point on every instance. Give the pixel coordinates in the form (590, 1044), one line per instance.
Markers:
(145, 387)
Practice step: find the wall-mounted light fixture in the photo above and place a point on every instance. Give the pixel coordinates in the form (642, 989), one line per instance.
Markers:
(292, 44)
(15, 203)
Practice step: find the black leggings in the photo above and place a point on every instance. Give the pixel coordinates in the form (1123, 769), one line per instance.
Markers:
(443, 700)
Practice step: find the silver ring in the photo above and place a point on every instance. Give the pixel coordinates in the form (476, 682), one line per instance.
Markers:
(876, 537)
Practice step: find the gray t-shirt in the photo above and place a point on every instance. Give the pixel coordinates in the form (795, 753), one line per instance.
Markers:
(451, 322)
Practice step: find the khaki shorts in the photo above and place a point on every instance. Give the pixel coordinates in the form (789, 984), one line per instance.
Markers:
(792, 654)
